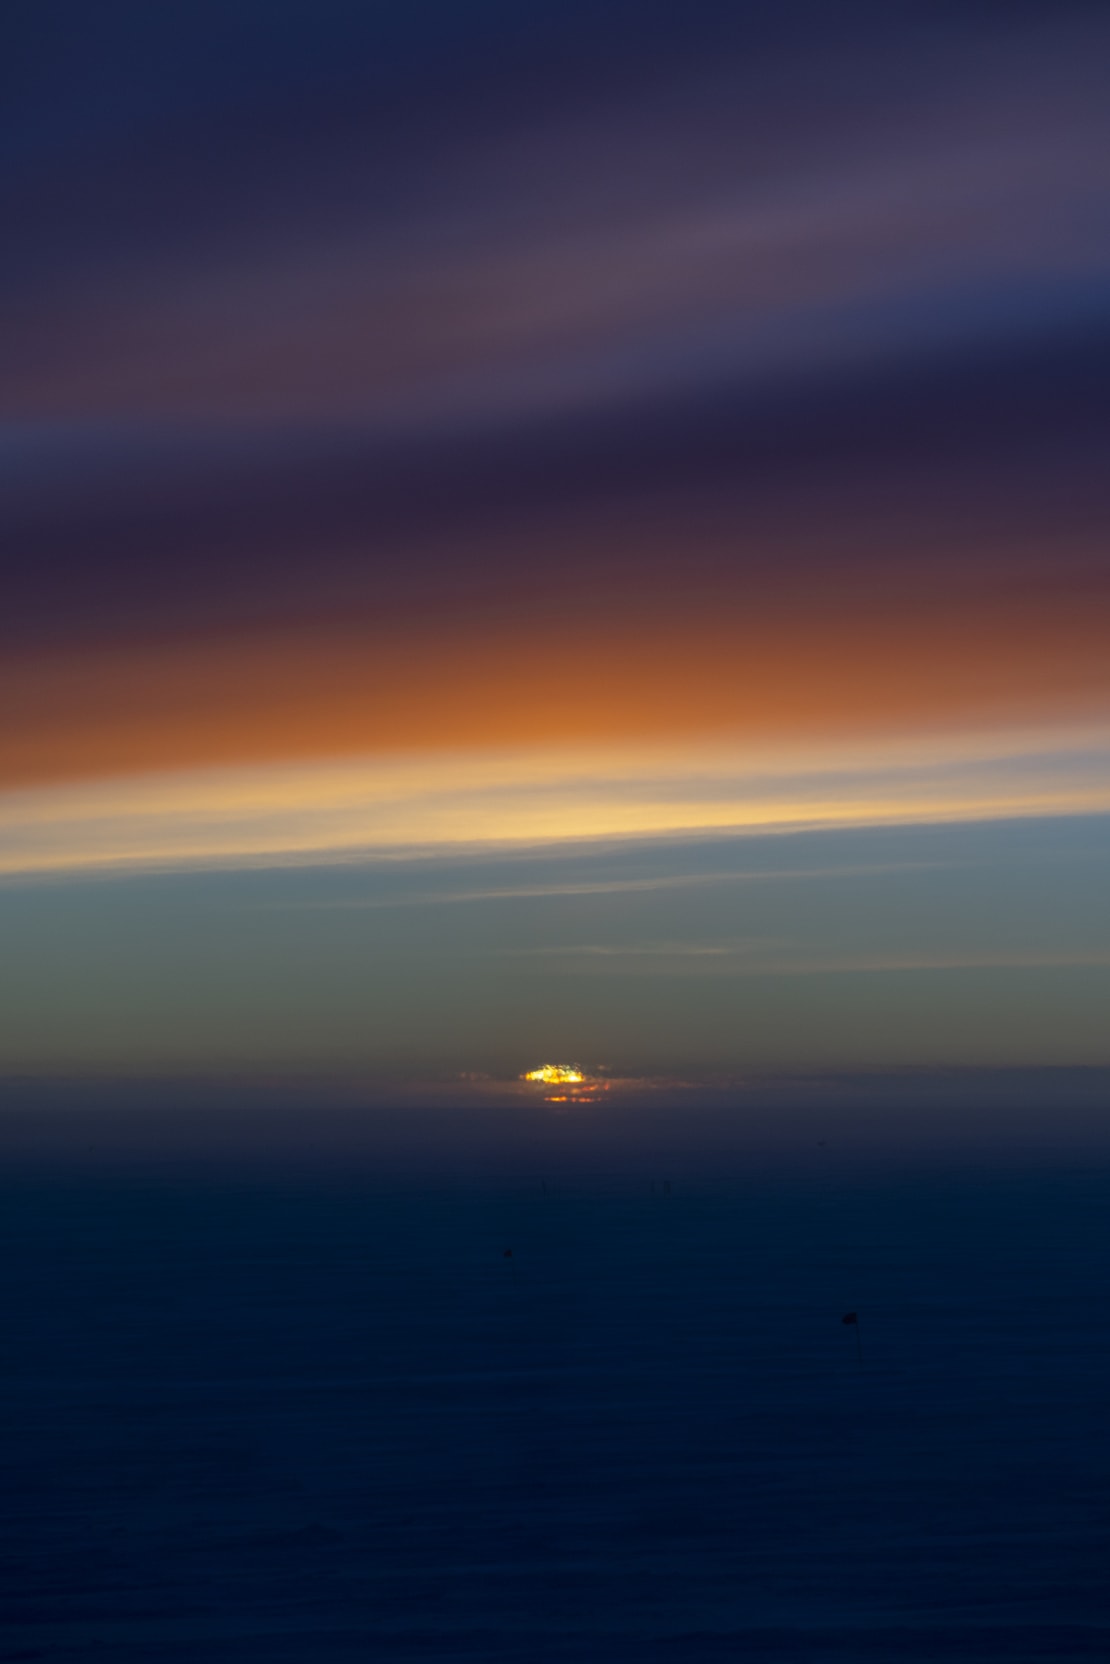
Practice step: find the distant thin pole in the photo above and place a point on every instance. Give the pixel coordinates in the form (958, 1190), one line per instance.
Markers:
(852, 1320)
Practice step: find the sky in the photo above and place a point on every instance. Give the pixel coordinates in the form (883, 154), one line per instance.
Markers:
(554, 533)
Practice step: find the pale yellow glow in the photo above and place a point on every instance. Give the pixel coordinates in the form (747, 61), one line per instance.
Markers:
(556, 1074)
(366, 807)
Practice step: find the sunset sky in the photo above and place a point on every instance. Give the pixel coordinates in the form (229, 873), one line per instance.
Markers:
(554, 531)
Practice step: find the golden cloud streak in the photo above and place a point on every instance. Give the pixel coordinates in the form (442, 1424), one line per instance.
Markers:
(361, 807)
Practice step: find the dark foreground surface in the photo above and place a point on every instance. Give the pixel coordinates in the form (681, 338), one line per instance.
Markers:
(276, 1419)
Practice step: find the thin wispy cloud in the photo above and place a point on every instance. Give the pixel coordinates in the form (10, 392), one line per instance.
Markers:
(607, 886)
(762, 959)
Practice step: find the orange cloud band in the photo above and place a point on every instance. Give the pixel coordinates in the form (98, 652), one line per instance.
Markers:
(780, 669)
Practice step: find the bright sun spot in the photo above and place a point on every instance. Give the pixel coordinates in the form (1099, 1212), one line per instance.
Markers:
(556, 1074)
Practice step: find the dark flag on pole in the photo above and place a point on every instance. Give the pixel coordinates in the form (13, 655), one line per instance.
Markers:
(850, 1317)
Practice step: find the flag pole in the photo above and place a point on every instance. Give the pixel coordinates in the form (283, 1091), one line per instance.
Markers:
(852, 1320)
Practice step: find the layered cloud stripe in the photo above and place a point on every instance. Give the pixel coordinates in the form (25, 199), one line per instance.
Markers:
(365, 807)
